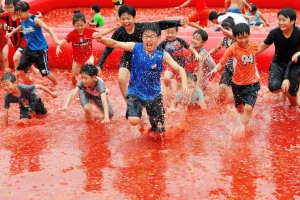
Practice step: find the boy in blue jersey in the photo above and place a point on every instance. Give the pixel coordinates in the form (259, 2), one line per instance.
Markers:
(36, 51)
(144, 88)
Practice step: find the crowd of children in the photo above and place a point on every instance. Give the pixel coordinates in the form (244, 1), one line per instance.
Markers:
(145, 58)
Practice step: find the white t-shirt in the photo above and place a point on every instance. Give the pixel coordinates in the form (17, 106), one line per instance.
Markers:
(237, 18)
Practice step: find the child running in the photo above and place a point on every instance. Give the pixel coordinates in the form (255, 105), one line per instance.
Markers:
(91, 90)
(25, 95)
(174, 46)
(245, 80)
(196, 97)
(227, 41)
(3, 44)
(130, 31)
(17, 40)
(81, 39)
(205, 63)
(36, 51)
(144, 88)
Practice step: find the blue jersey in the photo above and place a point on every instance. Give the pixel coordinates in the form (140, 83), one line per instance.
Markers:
(33, 34)
(145, 73)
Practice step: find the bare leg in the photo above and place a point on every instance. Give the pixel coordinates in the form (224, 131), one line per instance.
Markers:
(75, 71)
(222, 92)
(88, 112)
(246, 116)
(116, 11)
(5, 58)
(123, 82)
(52, 78)
(167, 78)
(292, 99)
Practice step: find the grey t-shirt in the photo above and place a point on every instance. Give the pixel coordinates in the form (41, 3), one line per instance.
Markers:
(96, 91)
(26, 98)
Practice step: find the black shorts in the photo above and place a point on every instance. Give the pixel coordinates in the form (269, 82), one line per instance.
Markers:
(120, 2)
(125, 61)
(256, 24)
(154, 108)
(245, 93)
(276, 76)
(36, 105)
(39, 58)
(226, 77)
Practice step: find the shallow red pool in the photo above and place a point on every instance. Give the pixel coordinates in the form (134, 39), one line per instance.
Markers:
(59, 156)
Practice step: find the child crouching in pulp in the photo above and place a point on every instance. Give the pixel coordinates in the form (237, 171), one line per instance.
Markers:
(196, 96)
(29, 102)
(91, 89)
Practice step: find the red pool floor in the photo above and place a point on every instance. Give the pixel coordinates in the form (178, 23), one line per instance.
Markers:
(59, 156)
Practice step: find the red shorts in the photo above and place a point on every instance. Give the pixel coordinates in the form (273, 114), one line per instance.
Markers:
(200, 16)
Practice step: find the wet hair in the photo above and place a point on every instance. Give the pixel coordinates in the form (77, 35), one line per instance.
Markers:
(9, 77)
(202, 33)
(152, 27)
(127, 9)
(78, 16)
(253, 7)
(228, 23)
(89, 69)
(1, 10)
(191, 76)
(22, 6)
(288, 13)
(241, 29)
(11, 2)
(213, 15)
(96, 8)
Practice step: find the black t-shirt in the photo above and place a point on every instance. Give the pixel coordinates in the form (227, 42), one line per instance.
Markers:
(285, 48)
(121, 35)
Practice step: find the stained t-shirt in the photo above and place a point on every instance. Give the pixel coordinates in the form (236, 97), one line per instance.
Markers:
(96, 91)
(27, 92)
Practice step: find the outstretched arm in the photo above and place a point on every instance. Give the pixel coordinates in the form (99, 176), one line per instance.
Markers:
(40, 23)
(126, 46)
(184, 4)
(105, 108)
(45, 89)
(18, 29)
(71, 97)
(262, 46)
(58, 51)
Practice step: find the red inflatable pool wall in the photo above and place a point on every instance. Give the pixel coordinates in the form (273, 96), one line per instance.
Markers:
(64, 60)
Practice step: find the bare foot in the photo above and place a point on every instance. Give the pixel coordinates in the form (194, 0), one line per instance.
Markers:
(282, 97)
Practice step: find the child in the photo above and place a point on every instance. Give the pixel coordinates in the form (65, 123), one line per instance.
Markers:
(205, 64)
(287, 42)
(37, 50)
(257, 16)
(200, 16)
(144, 88)
(174, 46)
(245, 79)
(117, 4)
(3, 44)
(97, 20)
(227, 41)
(130, 31)
(18, 41)
(25, 96)
(196, 97)
(217, 18)
(81, 38)
(91, 89)
(236, 6)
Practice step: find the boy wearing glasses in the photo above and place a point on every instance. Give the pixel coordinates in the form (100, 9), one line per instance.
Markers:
(144, 88)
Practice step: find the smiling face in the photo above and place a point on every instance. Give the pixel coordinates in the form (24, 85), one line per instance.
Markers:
(10, 8)
(79, 26)
(197, 41)
(242, 40)
(171, 34)
(9, 87)
(150, 40)
(127, 21)
(284, 23)
(23, 15)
